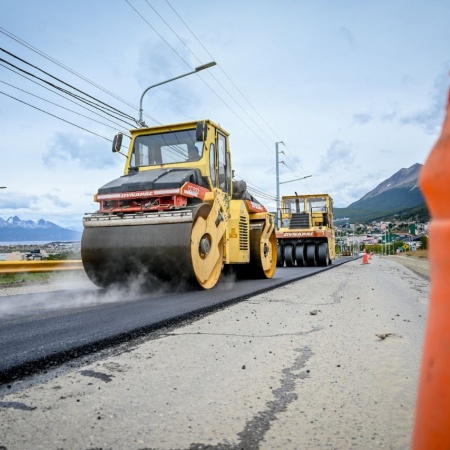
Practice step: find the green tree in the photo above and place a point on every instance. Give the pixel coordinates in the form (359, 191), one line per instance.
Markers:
(423, 242)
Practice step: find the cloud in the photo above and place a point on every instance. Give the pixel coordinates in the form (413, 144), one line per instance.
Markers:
(17, 200)
(388, 117)
(87, 152)
(430, 119)
(44, 206)
(352, 189)
(362, 118)
(56, 200)
(30, 202)
(158, 62)
(339, 154)
(346, 36)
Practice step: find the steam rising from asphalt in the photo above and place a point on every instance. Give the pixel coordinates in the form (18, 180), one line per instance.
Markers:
(75, 290)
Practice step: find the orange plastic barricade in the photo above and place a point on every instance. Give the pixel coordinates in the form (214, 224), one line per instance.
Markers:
(365, 258)
(432, 422)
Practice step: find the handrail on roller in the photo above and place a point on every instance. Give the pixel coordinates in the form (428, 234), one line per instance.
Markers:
(39, 266)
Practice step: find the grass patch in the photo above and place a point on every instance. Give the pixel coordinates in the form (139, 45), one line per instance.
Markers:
(418, 254)
(16, 278)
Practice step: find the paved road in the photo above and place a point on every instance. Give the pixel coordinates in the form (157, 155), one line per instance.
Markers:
(47, 328)
(299, 367)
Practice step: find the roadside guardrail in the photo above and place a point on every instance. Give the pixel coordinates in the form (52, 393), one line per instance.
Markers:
(39, 266)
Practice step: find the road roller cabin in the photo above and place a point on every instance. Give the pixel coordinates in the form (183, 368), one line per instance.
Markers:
(176, 213)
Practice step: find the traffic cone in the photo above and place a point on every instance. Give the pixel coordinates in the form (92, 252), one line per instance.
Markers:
(431, 429)
(370, 255)
(365, 258)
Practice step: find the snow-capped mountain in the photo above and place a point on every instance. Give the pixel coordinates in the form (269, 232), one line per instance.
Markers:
(15, 229)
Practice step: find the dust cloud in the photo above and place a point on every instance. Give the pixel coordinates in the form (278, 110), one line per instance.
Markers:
(75, 290)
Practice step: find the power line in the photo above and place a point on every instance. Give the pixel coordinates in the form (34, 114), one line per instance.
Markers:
(58, 63)
(68, 99)
(57, 117)
(294, 164)
(260, 194)
(78, 97)
(258, 190)
(209, 87)
(211, 74)
(223, 71)
(67, 84)
(159, 34)
(291, 161)
(60, 106)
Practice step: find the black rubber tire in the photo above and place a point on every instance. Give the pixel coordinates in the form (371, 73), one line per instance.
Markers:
(255, 268)
(311, 255)
(300, 255)
(289, 255)
(280, 256)
(322, 257)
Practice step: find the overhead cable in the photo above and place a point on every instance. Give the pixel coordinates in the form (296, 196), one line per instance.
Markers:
(212, 75)
(68, 99)
(73, 72)
(72, 94)
(67, 84)
(209, 87)
(57, 117)
(62, 107)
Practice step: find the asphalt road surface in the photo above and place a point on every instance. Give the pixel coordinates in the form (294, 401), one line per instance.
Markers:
(329, 361)
(38, 330)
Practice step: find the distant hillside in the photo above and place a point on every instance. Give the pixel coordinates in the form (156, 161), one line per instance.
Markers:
(398, 196)
(14, 229)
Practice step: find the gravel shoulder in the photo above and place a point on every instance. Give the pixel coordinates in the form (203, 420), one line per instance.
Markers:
(419, 266)
(300, 367)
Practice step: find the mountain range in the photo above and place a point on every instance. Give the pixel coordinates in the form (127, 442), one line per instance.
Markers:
(398, 197)
(14, 229)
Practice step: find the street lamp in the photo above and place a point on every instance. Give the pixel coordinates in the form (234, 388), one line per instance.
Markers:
(297, 179)
(197, 69)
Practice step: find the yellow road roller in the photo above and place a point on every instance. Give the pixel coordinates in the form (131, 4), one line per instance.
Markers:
(176, 214)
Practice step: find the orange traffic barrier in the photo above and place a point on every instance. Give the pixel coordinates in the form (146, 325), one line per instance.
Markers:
(432, 421)
(365, 258)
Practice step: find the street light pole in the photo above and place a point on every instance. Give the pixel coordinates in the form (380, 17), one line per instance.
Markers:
(197, 69)
(297, 179)
(278, 181)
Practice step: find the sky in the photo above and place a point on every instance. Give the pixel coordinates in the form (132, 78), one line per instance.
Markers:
(355, 91)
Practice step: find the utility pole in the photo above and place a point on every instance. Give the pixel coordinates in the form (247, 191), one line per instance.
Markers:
(278, 182)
